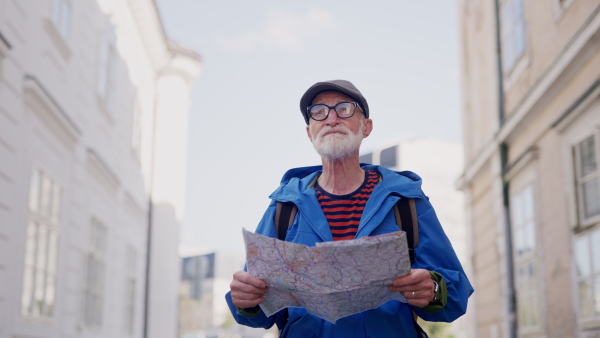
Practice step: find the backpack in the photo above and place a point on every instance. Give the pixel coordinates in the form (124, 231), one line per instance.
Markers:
(405, 213)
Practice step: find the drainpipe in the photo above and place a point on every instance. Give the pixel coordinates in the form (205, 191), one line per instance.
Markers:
(503, 152)
(512, 299)
(148, 260)
(150, 219)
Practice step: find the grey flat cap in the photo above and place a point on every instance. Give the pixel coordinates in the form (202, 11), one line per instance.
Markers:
(342, 86)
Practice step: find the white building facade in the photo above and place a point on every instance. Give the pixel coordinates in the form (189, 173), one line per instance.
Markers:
(93, 133)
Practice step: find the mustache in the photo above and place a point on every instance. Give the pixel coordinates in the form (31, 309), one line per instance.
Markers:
(338, 127)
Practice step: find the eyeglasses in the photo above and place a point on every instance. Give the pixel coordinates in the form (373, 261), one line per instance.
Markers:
(343, 110)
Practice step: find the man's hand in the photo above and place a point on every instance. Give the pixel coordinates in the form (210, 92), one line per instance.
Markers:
(247, 290)
(417, 287)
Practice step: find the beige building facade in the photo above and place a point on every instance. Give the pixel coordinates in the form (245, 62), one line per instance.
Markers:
(531, 121)
(94, 101)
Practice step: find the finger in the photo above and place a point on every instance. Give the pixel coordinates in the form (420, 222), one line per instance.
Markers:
(246, 299)
(417, 295)
(410, 287)
(246, 303)
(419, 302)
(414, 277)
(423, 290)
(246, 295)
(406, 281)
(242, 287)
(247, 278)
(417, 299)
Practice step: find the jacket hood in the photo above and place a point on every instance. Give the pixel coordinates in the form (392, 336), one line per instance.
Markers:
(296, 181)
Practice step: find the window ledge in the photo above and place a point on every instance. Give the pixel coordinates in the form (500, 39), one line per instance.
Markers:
(586, 224)
(521, 162)
(106, 111)
(49, 110)
(31, 319)
(582, 105)
(560, 9)
(532, 331)
(512, 76)
(102, 171)
(57, 38)
(590, 324)
(5, 46)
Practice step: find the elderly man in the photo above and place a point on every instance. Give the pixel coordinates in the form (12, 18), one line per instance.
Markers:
(341, 200)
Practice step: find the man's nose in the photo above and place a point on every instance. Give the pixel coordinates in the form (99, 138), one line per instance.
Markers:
(332, 118)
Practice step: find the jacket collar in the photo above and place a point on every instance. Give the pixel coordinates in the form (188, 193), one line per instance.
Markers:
(297, 186)
(297, 181)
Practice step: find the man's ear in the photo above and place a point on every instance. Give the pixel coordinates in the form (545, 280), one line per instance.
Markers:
(308, 133)
(367, 127)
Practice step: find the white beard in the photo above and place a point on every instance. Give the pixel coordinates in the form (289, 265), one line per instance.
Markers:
(337, 146)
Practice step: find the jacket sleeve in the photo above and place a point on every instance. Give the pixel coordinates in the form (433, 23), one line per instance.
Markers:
(435, 253)
(265, 228)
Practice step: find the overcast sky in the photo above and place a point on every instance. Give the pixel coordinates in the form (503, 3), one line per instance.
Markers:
(259, 57)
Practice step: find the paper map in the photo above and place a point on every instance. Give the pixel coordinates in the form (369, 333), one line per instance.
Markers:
(331, 280)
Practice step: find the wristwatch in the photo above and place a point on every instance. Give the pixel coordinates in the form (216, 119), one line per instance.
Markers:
(436, 290)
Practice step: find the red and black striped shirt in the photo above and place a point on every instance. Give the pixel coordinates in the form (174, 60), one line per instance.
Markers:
(343, 212)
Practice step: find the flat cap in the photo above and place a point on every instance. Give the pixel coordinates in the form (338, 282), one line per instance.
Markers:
(342, 86)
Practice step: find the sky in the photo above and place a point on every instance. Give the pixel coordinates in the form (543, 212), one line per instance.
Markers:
(259, 57)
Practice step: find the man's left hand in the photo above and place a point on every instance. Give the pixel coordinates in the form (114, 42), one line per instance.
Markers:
(417, 287)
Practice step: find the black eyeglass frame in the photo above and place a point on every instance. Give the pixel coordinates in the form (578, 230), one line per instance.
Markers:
(329, 108)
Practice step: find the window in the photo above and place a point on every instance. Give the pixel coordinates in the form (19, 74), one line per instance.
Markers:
(388, 157)
(587, 177)
(196, 270)
(41, 248)
(93, 289)
(366, 158)
(513, 32)
(587, 242)
(581, 157)
(62, 16)
(130, 289)
(523, 222)
(562, 4)
(107, 71)
(587, 262)
(523, 228)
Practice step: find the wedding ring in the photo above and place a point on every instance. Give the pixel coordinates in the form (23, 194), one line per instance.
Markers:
(413, 295)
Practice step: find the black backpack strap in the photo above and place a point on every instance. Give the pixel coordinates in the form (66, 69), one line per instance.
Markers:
(284, 217)
(406, 218)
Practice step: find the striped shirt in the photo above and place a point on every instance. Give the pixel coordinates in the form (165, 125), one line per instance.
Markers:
(343, 212)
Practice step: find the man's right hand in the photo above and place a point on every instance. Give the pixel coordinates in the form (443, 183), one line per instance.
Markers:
(246, 290)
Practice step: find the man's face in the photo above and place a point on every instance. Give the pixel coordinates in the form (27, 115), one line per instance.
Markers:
(336, 138)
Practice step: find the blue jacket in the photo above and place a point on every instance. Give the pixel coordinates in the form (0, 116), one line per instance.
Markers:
(393, 318)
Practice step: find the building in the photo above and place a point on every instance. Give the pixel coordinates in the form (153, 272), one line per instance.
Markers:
(439, 163)
(196, 296)
(531, 121)
(93, 133)
(205, 280)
